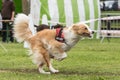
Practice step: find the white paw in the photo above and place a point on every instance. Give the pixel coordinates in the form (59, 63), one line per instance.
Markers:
(55, 71)
(46, 73)
(43, 72)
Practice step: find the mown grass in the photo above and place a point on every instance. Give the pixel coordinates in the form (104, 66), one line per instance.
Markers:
(88, 60)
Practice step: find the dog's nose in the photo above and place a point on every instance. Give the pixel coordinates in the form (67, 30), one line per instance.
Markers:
(93, 32)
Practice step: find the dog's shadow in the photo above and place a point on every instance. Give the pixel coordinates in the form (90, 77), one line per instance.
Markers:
(35, 71)
(89, 73)
(25, 70)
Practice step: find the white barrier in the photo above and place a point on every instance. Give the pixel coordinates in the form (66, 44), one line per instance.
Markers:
(110, 27)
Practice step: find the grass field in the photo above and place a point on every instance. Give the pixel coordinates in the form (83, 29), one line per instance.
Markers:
(88, 60)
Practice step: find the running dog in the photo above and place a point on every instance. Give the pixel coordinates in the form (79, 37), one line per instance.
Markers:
(47, 44)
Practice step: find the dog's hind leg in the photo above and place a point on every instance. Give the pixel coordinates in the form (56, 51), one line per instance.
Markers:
(38, 59)
(45, 58)
(41, 63)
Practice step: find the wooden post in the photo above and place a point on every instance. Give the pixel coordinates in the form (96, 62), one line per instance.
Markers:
(26, 6)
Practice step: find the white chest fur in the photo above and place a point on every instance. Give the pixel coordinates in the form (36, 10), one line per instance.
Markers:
(70, 39)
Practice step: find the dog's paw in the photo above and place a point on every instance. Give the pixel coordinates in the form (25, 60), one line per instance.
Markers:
(45, 72)
(55, 71)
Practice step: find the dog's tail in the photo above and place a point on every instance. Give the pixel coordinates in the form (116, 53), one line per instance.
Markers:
(21, 28)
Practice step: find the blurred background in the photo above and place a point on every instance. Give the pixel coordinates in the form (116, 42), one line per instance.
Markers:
(102, 9)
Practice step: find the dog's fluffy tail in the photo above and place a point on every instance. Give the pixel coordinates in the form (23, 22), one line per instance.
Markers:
(21, 28)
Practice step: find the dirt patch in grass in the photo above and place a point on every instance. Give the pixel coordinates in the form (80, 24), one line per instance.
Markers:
(90, 73)
(19, 70)
(62, 72)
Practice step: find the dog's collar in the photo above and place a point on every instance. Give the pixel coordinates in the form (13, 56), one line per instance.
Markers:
(59, 35)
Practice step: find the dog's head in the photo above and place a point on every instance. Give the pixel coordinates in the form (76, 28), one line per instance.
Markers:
(82, 29)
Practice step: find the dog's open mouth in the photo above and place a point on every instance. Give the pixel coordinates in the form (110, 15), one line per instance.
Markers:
(87, 35)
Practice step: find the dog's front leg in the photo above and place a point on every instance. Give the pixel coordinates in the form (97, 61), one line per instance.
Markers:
(41, 70)
(48, 62)
(52, 69)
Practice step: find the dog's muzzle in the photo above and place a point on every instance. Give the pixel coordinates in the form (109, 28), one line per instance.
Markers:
(92, 32)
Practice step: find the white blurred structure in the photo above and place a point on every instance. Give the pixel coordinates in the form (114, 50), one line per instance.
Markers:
(34, 16)
(66, 12)
(119, 4)
(0, 22)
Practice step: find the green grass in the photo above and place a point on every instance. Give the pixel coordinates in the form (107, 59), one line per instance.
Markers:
(88, 60)
(112, 12)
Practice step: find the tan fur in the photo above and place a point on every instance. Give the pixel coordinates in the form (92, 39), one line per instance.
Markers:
(43, 45)
(21, 30)
(82, 30)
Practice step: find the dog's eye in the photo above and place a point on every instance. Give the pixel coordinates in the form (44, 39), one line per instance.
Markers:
(85, 28)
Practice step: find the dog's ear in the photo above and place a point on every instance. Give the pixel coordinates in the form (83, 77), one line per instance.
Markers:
(35, 26)
(75, 27)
